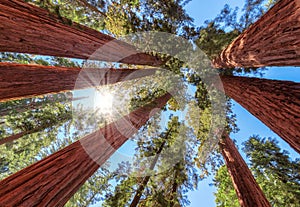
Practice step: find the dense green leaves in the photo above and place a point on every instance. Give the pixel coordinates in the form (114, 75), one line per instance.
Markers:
(49, 126)
(275, 172)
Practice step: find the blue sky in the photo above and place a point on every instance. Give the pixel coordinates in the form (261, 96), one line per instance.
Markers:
(202, 10)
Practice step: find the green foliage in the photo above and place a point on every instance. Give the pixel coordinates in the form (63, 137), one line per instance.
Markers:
(212, 40)
(36, 59)
(124, 17)
(225, 195)
(274, 171)
(168, 181)
(93, 190)
(79, 11)
(40, 127)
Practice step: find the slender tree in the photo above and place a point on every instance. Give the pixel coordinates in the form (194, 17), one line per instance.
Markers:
(271, 41)
(29, 29)
(248, 191)
(60, 118)
(36, 103)
(22, 81)
(146, 179)
(275, 103)
(53, 180)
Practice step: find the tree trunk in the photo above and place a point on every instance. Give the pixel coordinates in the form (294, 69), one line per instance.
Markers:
(19, 81)
(174, 187)
(248, 191)
(14, 137)
(20, 108)
(54, 179)
(274, 40)
(26, 28)
(275, 103)
(146, 179)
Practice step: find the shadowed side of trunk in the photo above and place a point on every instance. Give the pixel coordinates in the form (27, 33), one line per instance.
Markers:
(248, 191)
(53, 180)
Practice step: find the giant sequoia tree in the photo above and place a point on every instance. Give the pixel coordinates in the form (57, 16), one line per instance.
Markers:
(22, 80)
(50, 34)
(275, 103)
(273, 170)
(73, 165)
(54, 179)
(248, 191)
(271, 41)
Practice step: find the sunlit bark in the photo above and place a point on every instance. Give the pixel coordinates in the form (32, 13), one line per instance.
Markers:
(26, 28)
(274, 40)
(53, 180)
(275, 103)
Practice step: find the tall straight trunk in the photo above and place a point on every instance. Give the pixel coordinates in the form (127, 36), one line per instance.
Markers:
(274, 40)
(23, 81)
(275, 103)
(146, 179)
(26, 28)
(54, 179)
(20, 108)
(248, 191)
(41, 127)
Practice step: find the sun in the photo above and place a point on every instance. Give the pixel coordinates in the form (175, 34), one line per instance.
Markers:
(103, 102)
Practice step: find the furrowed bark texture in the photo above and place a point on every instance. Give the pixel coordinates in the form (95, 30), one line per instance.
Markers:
(275, 103)
(248, 191)
(19, 81)
(26, 28)
(53, 180)
(274, 40)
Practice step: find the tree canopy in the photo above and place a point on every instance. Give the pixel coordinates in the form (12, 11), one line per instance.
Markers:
(177, 148)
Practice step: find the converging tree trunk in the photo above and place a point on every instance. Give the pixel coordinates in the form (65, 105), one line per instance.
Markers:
(53, 180)
(248, 191)
(139, 192)
(274, 40)
(23, 81)
(26, 28)
(275, 103)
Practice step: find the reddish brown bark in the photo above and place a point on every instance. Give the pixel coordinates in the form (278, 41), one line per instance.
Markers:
(274, 40)
(23, 81)
(275, 103)
(26, 28)
(248, 191)
(53, 180)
